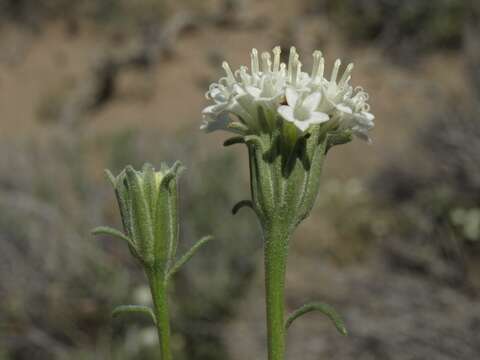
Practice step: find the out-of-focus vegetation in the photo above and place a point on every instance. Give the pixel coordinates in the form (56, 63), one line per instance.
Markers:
(119, 14)
(435, 202)
(404, 28)
(49, 201)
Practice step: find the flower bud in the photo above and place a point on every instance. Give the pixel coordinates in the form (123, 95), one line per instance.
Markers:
(148, 207)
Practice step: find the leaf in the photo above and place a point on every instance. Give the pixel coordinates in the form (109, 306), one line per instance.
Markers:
(105, 230)
(188, 255)
(234, 140)
(241, 204)
(127, 309)
(254, 140)
(324, 309)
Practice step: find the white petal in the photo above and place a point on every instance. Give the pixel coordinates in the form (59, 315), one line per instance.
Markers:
(318, 117)
(286, 112)
(368, 115)
(292, 96)
(212, 124)
(312, 101)
(362, 135)
(344, 108)
(364, 120)
(215, 109)
(209, 110)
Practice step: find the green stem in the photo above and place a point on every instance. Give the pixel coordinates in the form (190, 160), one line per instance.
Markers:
(276, 253)
(159, 289)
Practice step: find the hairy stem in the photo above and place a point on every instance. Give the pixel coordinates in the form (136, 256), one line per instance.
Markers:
(275, 252)
(159, 289)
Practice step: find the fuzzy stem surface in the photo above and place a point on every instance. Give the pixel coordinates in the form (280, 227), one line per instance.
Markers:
(275, 252)
(159, 288)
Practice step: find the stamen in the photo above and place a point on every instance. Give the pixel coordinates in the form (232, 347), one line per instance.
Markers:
(291, 58)
(321, 69)
(276, 58)
(317, 55)
(346, 75)
(266, 62)
(230, 77)
(296, 66)
(244, 76)
(335, 69)
(254, 60)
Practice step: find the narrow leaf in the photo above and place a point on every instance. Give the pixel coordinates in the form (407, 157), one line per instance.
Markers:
(241, 204)
(139, 309)
(234, 140)
(254, 140)
(188, 255)
(105, 230)
(324, 309)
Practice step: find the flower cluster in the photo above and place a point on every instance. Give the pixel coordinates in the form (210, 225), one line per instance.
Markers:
(283, 91)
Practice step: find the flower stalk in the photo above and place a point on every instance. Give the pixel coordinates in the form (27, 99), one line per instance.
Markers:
(148, 202)
(275, 258)
(289, 120)
(159, 289)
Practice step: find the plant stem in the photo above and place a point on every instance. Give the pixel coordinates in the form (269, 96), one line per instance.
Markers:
(159, 289)
(275, 253)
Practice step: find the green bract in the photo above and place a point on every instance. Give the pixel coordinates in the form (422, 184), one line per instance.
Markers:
(148, 206)
(285, 171)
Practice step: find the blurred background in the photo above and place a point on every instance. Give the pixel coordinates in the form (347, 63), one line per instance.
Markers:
(393, 242)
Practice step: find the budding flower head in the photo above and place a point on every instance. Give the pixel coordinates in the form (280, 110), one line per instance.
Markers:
(274, 96)
(148, 207)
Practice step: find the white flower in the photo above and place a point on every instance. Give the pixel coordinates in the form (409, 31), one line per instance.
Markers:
(301, 109)
(355, 115)
(283, 89)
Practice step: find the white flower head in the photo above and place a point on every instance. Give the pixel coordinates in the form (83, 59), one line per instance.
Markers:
(288, 94)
